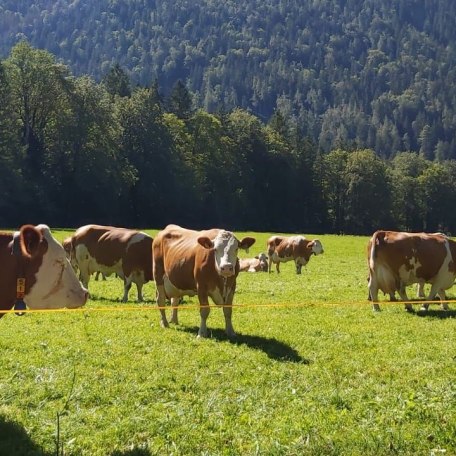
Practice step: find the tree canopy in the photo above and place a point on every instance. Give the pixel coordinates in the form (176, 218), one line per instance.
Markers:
(375, 74)
(73, 151)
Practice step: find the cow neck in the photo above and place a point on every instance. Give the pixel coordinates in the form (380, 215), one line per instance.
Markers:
(19, 304)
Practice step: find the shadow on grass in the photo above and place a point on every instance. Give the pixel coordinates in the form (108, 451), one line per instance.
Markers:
(95, 297)
(436, 313)
(272, 347)
(14, 440)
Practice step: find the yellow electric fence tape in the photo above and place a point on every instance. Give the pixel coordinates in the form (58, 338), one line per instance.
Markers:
(152, 307)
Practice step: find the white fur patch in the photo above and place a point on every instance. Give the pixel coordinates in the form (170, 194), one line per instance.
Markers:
(56, 283)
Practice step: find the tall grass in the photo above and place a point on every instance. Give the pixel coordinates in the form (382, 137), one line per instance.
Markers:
(320, 375)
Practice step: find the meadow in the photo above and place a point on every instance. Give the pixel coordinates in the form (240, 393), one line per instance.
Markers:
(313, 371)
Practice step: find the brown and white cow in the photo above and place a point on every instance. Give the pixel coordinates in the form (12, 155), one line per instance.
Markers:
(397, 259)
(205, 263)
(67, 246)
(50, 282)
(297, 248)
(107, 249)
(256, 264)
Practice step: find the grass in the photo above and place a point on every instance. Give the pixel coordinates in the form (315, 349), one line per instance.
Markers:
(323, 375)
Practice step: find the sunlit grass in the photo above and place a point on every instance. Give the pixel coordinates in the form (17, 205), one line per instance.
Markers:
(321, 375)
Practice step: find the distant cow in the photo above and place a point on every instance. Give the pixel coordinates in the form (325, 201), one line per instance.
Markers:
(34, 254)
(297, 248)
(205, 263)
(256, 264)
(67, 246)
(398, 259)
(107, 249)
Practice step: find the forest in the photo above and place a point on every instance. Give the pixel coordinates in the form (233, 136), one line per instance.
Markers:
(371, 74)
(76, 151)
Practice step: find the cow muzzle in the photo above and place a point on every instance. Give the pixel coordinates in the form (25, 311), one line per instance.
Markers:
(227, 270)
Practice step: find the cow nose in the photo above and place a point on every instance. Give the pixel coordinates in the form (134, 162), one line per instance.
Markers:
(227, 269)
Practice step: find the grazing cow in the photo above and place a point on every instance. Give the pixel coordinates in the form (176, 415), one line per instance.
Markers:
(259, 263)
(282, 249)
(107, 249)
(397, 259)
(205, 263)
(34, 255)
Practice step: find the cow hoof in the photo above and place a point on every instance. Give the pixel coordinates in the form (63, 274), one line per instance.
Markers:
(202, 335)
(375, 307)
(424, 308)
(164, 324)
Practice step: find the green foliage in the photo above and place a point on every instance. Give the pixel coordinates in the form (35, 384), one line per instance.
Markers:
(72, 152)
(117, 82)
(322, 375)
(375, 74)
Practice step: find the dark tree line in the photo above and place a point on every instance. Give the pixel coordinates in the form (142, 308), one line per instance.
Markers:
(375, 74)
(74, 151)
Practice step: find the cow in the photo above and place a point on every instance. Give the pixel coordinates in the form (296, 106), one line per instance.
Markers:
(108, 249)
(67, 246)
(203, 263)
(34, 254)
(282, 249)
(397, 259)
(259, 263)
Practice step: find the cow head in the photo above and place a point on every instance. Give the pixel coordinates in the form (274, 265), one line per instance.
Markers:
(54, 283)
(316, 247)
(226, 248)
(263, 259)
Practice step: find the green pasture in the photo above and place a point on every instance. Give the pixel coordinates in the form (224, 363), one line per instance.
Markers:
(321, 374)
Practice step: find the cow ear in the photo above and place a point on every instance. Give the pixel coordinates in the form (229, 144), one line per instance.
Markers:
(30, 239)
(205, 242)
(257, 257)
(246, 243)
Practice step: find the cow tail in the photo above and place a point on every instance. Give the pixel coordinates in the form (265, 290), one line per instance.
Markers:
(378, 239)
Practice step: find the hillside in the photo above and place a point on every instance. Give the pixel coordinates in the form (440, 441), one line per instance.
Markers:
(375, 74)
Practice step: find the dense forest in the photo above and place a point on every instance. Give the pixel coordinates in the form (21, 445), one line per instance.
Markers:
(75, 151)
(376, 74)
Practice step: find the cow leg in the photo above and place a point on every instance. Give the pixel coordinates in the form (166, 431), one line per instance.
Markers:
(443, 297)
(139, 287)
(373, 293)
(432, 294)
(298, 267)
(127, 286)
(161, 302)
(269, 265)
(227, 312)
(420, 290)
(403, 295)
(174, 304)
(278, 267)
(204, 313)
